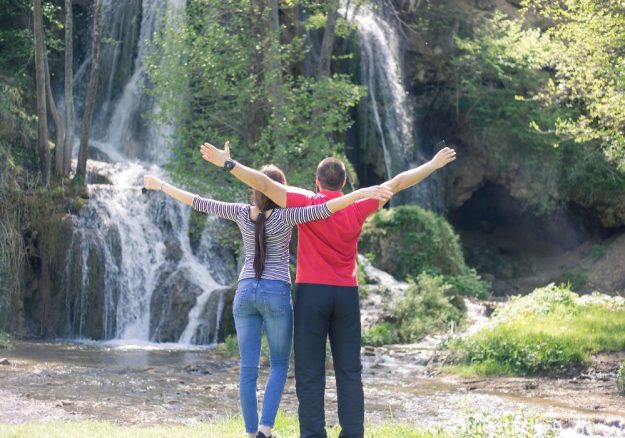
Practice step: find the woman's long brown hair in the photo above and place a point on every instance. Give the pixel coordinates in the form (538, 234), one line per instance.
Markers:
(263, 203)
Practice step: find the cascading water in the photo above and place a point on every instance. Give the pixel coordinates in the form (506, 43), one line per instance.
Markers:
(389, 109)
(131, 262)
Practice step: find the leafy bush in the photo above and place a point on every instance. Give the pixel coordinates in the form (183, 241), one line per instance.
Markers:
(426, 307)
(551, 330)
(381, 334)
(408, 240)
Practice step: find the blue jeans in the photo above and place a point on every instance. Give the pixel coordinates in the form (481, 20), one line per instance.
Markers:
(258, 304)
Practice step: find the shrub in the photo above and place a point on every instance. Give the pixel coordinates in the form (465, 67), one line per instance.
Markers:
(427, 307)
(408, 240)
(381, 334)
(551, 330)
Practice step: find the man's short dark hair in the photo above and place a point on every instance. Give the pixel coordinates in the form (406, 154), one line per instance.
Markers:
(331, 174)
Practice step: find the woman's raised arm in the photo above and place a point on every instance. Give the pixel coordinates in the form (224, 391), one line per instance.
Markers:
(227, 210)
(154, 183)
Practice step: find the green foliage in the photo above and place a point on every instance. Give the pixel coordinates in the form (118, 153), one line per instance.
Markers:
(585, 52)
(197, 222)
(408, 240)
(381, 334)
(16, 41)
(230, 346)
(543, 102)
(233, 91)
(496, 70)
(486, 424)
(427, 307)
(5, 341)
(468, 283)
(620, 379)
(575, 278)
(551, 330)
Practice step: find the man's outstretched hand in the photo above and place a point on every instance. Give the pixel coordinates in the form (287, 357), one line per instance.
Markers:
(216, 156)
(443, 157)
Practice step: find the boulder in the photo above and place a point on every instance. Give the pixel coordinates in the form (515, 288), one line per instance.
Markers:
(170, 305)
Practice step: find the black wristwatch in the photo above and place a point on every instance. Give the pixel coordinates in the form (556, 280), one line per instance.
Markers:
(229, 165)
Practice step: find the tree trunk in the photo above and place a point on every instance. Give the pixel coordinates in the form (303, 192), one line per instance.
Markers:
(273, 52)
(58, 123)
(81, 169)
(44, 153)
(69, 92)
(273, 70)
(255, 114)
(327, 44)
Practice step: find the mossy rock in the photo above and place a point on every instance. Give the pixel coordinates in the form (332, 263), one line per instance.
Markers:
(408, 240)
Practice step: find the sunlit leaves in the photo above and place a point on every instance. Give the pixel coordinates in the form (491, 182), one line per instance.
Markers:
(215, 62)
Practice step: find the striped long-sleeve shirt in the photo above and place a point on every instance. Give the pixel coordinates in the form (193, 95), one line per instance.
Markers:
(278, 230)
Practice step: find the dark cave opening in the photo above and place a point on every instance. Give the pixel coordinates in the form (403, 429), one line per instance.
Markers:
(518, 249)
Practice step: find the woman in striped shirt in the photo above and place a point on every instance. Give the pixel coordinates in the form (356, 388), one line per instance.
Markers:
(263, 296)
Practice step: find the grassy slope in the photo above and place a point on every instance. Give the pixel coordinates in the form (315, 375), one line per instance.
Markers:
(549, 331)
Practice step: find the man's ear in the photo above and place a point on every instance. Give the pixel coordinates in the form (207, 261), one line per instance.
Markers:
(317, 184)
(344, 182)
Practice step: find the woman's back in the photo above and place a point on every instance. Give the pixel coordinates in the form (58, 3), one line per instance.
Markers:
(278, 229)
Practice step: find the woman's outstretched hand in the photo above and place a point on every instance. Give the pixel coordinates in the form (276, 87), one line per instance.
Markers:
(381, 193)
(152, 183)
(216, 156)
(443, 157)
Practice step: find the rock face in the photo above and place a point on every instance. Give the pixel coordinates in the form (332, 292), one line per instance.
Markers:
(427, 47)
(170, 306)
(607, 274)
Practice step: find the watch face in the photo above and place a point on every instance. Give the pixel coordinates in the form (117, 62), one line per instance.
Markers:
(228, 165)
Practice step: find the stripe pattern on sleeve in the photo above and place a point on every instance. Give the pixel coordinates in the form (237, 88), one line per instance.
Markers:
(278, 230)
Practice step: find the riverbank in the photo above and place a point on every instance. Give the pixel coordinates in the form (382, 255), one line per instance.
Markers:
(98, 387)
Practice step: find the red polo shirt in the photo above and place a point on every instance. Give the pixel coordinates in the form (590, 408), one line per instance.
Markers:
(326, 249)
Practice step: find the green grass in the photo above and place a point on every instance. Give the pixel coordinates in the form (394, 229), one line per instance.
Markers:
(474, 424)
(286, 426)
(551, 331)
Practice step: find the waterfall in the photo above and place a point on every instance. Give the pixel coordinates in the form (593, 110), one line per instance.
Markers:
(389, 108)
(132, 273)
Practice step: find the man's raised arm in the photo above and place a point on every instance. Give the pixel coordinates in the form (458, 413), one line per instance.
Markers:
(414, 176)
(251, 177)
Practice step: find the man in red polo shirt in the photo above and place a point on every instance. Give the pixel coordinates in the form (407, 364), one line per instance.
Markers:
(326, 295)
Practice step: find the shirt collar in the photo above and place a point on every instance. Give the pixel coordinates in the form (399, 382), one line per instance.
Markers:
(331, 194)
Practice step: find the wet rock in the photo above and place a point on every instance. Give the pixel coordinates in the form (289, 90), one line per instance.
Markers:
(96, 154)
(170, 305)
(64, 403)
(4, 361)
(217, 248)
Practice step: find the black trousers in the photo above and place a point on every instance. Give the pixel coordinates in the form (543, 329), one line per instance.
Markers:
(323, 311)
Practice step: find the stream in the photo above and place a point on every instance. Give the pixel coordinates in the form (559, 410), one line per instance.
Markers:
(150, 383)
